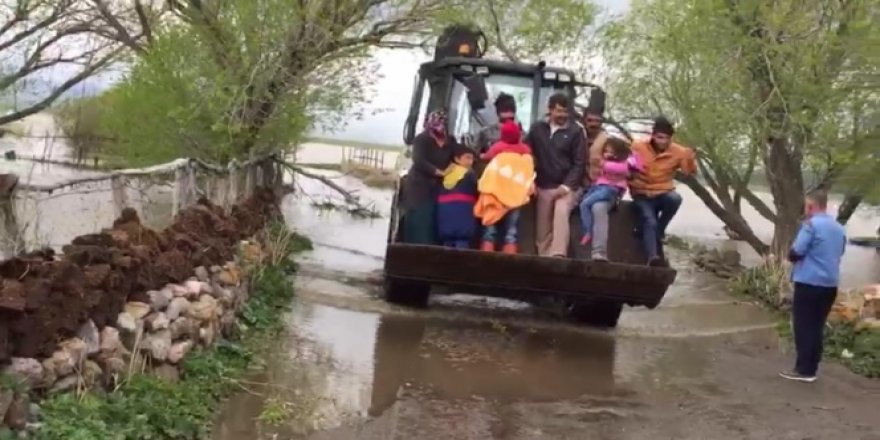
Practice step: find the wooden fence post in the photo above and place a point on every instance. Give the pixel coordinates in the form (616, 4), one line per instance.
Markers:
(248, 180)
(8, 183)
(176, 192)
(120, 193)
(191, 188)
(232, 195)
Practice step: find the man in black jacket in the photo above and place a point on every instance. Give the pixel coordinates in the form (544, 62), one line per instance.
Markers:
(560, 163)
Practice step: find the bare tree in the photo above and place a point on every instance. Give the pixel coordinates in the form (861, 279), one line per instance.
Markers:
(40, 38)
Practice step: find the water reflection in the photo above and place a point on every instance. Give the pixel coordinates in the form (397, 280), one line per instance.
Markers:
(459, 360)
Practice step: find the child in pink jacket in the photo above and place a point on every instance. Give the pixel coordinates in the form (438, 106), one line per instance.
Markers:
(618, 163)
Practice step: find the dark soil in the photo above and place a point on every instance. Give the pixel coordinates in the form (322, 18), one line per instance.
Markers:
(44, 298)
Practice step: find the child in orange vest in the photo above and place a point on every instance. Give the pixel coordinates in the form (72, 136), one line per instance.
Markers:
(510, 142)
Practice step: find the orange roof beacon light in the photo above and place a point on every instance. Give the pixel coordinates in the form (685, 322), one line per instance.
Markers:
(464, 49)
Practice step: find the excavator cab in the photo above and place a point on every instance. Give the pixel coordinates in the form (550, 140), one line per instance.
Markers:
(464, 84)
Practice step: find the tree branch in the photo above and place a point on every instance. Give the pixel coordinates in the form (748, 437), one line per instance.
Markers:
(59, 90)
(348, 196)
(732, 219)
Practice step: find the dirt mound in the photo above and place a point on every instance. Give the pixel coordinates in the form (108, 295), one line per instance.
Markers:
(44, 299)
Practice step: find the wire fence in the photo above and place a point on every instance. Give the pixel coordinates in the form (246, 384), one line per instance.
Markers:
(50, 214)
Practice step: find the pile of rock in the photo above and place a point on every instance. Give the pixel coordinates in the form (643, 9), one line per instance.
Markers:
(155, 335)
(858, 306)
(45, 298)
(725, 263)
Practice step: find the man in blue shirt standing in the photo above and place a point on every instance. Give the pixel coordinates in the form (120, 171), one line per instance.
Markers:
(816, 255)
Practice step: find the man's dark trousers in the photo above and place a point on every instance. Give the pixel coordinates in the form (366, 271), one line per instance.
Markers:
(810, 309)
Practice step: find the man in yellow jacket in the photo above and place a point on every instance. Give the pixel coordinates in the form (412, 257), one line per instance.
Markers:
(653, 190)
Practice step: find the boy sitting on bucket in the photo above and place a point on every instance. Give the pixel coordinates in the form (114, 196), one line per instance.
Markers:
(506, 185)
(455, 202)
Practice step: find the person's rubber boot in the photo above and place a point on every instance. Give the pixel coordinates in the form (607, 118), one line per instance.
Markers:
(487, 246)
(510, 249)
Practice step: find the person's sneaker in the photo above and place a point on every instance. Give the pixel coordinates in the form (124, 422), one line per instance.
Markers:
(585, 240)
(794, 375)
(655, 262)
(599, 258)
(487, 246)
(509, 248)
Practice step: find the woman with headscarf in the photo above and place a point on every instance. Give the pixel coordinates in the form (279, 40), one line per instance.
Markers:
(432, 152)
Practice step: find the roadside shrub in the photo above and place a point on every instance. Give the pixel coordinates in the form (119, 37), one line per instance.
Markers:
(858, 349)
(769, 283)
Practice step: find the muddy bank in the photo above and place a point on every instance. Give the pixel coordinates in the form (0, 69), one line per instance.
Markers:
(45, 298)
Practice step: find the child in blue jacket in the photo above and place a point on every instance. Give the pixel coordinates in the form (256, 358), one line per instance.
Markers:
(456, 224)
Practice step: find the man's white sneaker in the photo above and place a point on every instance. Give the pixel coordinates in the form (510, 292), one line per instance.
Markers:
(793, 375)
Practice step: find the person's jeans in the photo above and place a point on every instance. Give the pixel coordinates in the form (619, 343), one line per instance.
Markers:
(508, 223)
(596, 194)
(599, 244)
(655, 213)
(809, 310)
(457, 244)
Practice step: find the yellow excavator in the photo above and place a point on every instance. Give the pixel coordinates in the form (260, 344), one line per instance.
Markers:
(461, 81)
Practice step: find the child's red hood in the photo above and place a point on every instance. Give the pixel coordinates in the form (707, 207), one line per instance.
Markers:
(503, 147)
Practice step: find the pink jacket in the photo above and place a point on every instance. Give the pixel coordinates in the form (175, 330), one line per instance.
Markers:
(616, 173)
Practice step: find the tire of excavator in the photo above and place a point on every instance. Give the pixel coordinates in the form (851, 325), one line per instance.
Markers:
(599, 313)
(407, 293)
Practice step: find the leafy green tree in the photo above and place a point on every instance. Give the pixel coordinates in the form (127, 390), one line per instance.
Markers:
(239, 77)
(758, 87)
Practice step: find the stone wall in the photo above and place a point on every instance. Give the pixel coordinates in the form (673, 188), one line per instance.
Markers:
(124, 301)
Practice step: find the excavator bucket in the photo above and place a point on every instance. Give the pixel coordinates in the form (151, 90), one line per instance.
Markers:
(596, 290)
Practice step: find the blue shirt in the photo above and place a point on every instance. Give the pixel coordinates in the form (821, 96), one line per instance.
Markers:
(820, 243)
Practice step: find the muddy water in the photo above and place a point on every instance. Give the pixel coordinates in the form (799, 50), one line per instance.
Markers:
(371, 370)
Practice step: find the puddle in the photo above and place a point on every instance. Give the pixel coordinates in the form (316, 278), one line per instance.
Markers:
(351, 367)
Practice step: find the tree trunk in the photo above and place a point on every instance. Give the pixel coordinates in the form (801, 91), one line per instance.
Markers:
(783, 165)
(731, 219)
(848, 207)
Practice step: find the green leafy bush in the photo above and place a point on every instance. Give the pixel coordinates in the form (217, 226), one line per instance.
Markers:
(769, 283)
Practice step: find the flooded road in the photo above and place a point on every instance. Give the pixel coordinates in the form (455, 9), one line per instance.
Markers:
(351, 367)
(700, 366)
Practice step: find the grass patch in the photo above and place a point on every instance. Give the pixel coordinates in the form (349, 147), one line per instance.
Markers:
(858, 349)
(372, 177)
(768, 283)
(357, 144)
(17, 128)
(676, 242)
(146, 407)
(322, 166)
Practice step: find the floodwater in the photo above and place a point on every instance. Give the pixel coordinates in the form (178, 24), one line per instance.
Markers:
(46, 219)
(700, 366)
(355, 367)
